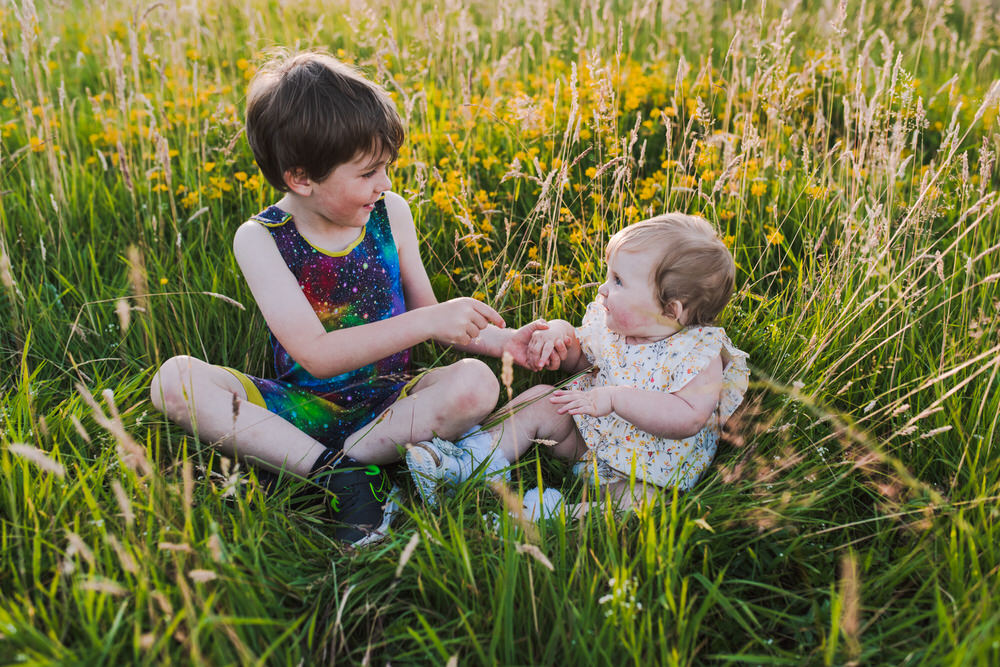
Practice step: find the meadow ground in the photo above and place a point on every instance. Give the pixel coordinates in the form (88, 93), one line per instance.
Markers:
(848, 154)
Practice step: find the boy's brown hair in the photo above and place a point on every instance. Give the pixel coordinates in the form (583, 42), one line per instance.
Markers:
(695, 266)
(310, 111)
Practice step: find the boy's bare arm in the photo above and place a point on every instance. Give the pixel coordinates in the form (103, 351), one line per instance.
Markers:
(328, 353)
(668, 415)
(494, 339)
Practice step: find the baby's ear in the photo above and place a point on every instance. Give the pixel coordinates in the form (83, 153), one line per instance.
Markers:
(675, 310)
(298, 181)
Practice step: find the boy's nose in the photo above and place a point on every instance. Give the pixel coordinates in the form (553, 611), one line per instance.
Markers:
(384, 183)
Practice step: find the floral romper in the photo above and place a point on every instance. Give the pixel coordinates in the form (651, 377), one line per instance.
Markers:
(616, 447)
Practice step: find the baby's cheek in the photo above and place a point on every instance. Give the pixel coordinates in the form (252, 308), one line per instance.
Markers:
(622, 318)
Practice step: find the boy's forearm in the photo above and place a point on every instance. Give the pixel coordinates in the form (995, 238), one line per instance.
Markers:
(342, 350)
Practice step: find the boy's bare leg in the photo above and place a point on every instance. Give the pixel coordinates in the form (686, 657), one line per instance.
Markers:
(446, 402)
(537, 420)
(204, 398)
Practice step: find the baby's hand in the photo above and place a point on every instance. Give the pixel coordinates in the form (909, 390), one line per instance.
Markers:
(594, 402)
(548, 348)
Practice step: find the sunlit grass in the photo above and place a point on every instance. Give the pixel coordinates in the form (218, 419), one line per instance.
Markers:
(850, 162)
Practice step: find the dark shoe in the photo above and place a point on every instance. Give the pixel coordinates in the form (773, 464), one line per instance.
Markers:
(360, 500)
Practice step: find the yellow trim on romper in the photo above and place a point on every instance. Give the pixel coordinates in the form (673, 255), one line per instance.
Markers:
(253, 393)
(339, 253)
(256, 398)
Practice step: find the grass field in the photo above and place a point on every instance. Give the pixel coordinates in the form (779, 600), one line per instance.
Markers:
(846, 151)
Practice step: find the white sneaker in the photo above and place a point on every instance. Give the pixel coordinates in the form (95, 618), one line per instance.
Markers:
(546, 506)
(486, 453)
(437, 462)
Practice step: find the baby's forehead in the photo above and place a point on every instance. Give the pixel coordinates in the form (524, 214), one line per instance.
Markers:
(633, 251)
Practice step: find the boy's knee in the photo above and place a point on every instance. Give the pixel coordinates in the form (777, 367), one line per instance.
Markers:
(474, 387)
(166, 390)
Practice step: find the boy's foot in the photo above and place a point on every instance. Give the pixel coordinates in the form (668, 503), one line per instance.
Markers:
(363, 503)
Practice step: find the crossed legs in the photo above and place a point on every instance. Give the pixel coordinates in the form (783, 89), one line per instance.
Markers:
(211, 404)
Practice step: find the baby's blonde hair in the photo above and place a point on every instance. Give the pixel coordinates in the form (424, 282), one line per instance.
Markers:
(695, 266)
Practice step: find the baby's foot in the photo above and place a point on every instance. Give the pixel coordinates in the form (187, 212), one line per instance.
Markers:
(436, 462)
(485, 453)
(439, 462)
(546, 506)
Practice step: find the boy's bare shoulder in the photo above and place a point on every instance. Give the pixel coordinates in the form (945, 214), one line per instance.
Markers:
(397, 207)
(251, 234)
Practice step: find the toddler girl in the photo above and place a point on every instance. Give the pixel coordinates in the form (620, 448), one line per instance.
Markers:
(663, 381)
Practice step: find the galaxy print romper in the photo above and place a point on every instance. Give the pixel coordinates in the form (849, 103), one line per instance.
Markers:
(355, 286)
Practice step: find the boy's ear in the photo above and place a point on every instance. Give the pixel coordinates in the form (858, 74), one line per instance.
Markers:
(298, 182)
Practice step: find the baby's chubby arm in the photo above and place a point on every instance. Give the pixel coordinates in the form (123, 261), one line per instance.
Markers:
(668, 415)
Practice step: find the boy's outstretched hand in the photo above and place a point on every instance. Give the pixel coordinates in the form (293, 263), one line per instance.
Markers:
(520, 348)
(460, 321)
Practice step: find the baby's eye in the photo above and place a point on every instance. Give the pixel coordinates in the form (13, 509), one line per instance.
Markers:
(618, 281)
(368, 174)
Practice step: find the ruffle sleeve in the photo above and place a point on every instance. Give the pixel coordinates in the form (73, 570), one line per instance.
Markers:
(591, 333)
(704, 345)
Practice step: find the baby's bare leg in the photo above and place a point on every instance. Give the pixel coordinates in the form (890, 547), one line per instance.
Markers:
(533, 419)
(621, 495)
(210, 403)
(446, 402)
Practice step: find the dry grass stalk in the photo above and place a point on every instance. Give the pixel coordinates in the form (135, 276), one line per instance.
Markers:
(123, 502)
(38, 457)
(507, 373)
(76, 546)
(850, 594)
(408, 550)
(106, 586)
(137, 276)
(515, 506)
(124, 557)
(187, 474)
(131, 453)
(201, 576)
(535, 553)
(124, 313)
(214, 545)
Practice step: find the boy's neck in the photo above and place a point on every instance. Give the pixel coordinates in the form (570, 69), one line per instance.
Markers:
(317, 230)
